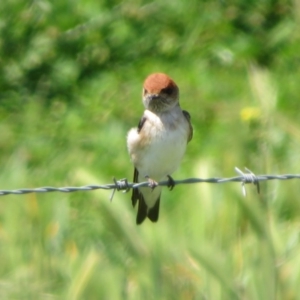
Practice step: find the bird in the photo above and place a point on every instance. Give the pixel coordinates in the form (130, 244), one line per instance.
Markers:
(157, 145)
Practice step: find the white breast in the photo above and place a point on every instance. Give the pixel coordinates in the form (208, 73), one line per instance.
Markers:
(158, 149)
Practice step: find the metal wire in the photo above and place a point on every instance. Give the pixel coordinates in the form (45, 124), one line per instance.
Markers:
(123, 185)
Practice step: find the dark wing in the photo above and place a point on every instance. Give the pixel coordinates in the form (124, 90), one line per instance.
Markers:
(143, 212)
(188, 118)
(136, 195)
(141, 124)
(153, 213)
(135, 192)
(142, 209)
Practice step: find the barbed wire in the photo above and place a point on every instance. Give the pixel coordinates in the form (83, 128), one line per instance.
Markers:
(123, 185)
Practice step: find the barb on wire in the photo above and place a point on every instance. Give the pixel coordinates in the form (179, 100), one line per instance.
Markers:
(121, 185)
(249, 177)
(125, 186)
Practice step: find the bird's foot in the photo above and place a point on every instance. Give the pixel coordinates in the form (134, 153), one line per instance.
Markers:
(171, 182)
(152, 183)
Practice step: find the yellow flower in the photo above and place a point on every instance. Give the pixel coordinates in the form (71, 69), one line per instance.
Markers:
(249, 114)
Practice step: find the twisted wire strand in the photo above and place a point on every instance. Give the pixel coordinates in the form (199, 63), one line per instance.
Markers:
(125, 186)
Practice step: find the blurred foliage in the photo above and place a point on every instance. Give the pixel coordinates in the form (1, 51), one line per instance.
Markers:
(53, 48)
(70, 82)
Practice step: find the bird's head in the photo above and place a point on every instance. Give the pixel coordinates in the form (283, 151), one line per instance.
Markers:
(160, 93)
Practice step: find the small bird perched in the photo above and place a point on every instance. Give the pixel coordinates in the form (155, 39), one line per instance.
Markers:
(158, 144)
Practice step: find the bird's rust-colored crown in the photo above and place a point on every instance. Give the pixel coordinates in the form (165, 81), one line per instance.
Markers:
(154, 83)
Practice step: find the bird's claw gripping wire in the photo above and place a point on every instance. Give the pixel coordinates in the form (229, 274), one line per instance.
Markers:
(171, 183)
(152, 183)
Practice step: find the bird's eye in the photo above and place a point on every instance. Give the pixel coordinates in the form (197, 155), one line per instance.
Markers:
(167, 91)
(145, 91)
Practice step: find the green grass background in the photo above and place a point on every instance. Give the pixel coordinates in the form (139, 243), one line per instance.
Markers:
(71, 74)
